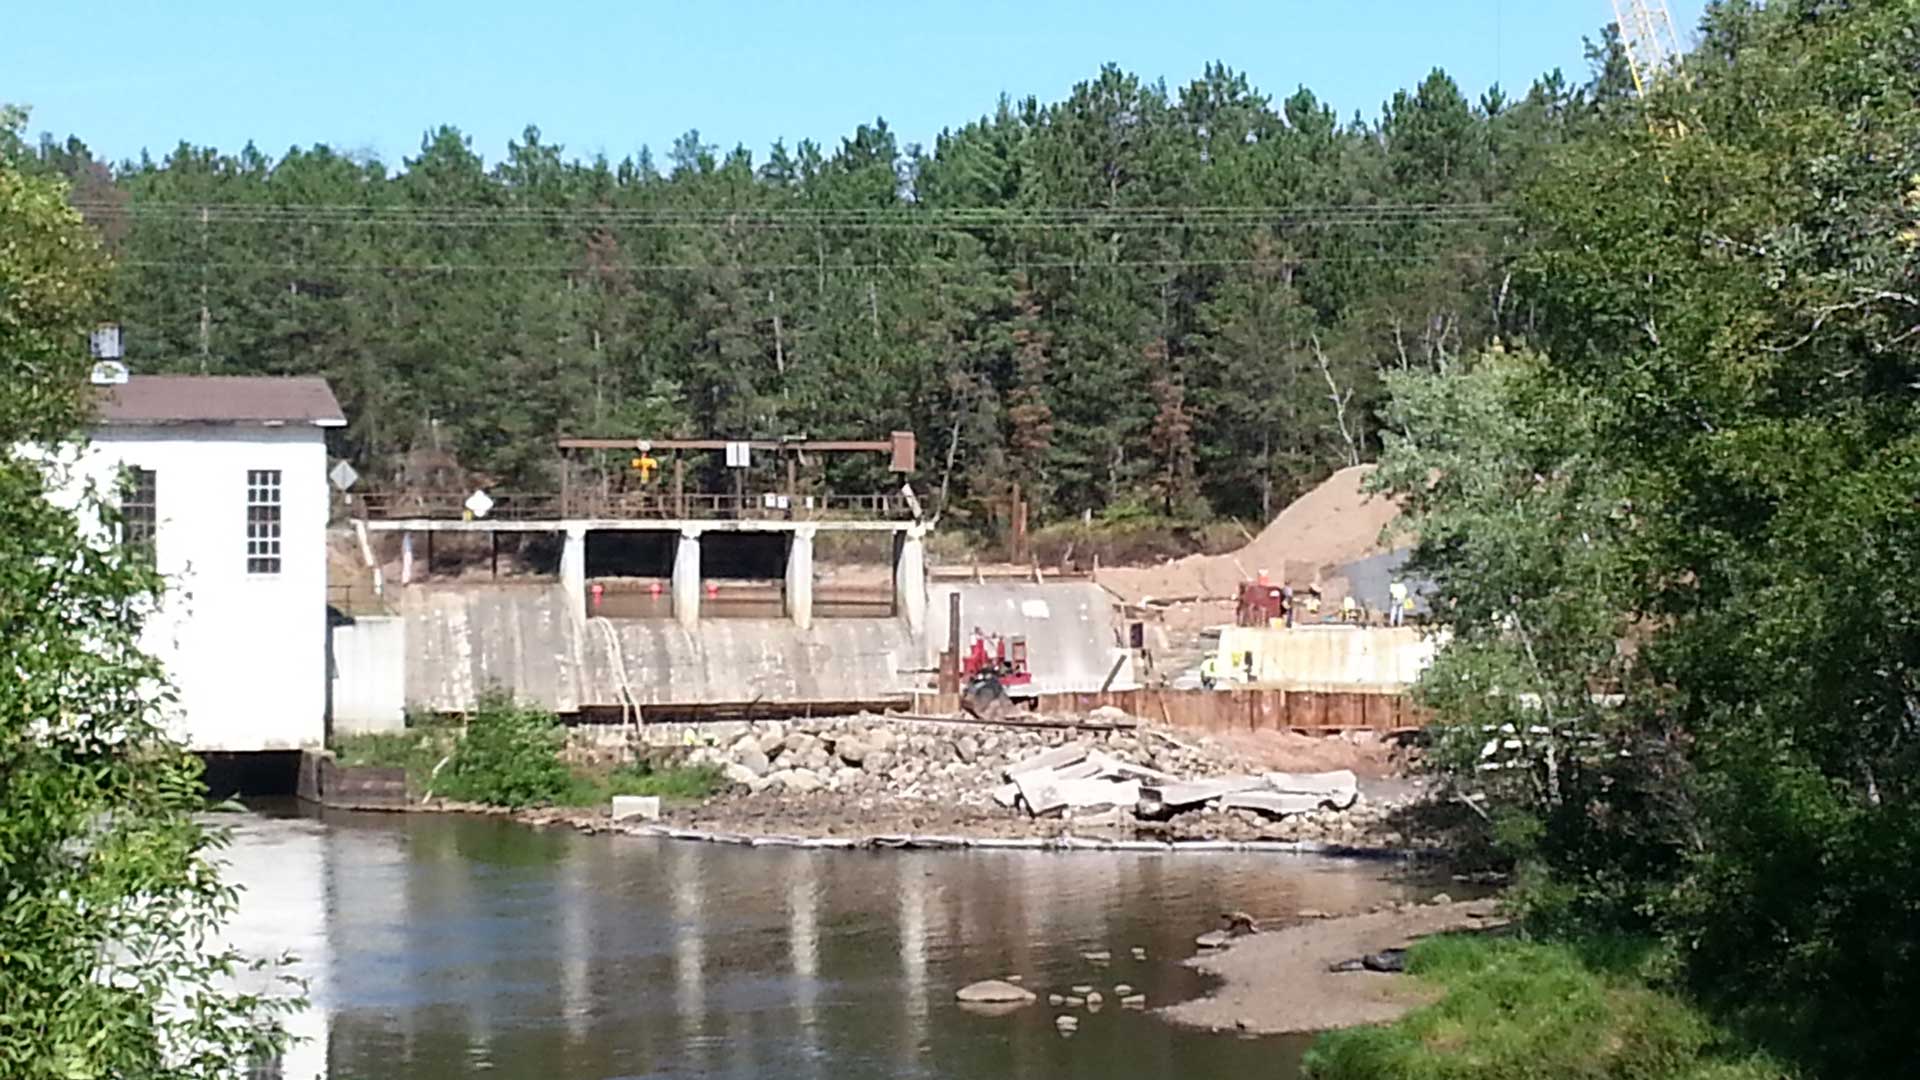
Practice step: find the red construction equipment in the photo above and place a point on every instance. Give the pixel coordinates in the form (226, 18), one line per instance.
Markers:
(995, 672)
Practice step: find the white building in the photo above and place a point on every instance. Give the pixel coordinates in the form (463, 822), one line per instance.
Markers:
(229, 485)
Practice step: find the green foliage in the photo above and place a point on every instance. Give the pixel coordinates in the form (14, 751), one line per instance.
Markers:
(509, 755)
(1689, 534)
(1521, 1010)
(108, 895)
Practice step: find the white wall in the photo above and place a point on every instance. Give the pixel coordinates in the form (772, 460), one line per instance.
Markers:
(370, 675)
(246, 652)
(1330, 657)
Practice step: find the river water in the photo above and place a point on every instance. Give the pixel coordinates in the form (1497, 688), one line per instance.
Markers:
(444, 946)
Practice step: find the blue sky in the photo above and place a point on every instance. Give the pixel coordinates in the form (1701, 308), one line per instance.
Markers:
(373, 75)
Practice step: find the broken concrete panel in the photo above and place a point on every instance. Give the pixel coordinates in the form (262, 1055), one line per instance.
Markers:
(1338, 782)
(1057, 758)
(642, 807)
(1098, 791)
(1155, 798)
(1277, 803)
(1041, 790)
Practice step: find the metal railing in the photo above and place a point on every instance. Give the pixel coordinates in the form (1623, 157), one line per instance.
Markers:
(630, 506)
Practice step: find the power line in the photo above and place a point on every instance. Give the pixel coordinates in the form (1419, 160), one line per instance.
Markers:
(294, 265)
(804, 218)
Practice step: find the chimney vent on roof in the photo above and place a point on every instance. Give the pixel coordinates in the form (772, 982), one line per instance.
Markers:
(104, 342)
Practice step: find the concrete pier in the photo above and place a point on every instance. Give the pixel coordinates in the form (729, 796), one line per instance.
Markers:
(573, 568)
(686, 578)
(910, 578)
(800, 578)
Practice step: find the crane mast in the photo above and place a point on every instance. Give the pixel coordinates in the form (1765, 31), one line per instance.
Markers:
(1648, 38)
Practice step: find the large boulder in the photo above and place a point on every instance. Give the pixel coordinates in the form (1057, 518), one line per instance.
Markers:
(994, 992)
(851, 750)
(966, 749)
(877, 761)
(881, 739)
(800, 780)
(751, 759)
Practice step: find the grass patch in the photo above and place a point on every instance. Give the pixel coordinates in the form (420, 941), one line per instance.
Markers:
(1527, 1010)
(416, 750)
(674, 782)
(510, 756)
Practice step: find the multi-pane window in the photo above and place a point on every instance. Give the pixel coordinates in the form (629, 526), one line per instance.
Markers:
(263, 521)
(137, 510)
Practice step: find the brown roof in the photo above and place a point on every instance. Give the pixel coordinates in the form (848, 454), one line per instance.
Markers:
(220, 399)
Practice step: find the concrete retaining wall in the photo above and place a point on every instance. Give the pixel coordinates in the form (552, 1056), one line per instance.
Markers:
(1072, 631)
(1328, 657)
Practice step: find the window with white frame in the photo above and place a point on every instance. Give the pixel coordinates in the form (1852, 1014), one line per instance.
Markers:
(138, 510)
(263, 521)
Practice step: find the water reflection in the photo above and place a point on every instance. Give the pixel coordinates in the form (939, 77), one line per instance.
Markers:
(439, 947)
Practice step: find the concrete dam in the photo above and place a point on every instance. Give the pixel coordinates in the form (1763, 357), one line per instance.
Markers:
(761, 645)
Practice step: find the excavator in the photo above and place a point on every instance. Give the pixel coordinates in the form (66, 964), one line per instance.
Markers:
(995, 678)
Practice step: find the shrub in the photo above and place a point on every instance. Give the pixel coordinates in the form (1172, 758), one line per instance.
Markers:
(509, 755)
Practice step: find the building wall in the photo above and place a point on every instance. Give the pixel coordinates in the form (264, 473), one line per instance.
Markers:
(245, 652)
(370, 675)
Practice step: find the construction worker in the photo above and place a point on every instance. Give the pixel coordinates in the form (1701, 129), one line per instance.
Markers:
(1210, 671)
(1397, 610)
(1349, 611)
(1286, 604)
(1313, 602)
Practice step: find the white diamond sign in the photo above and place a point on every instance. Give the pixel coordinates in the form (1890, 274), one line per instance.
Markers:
(343, 476)
(478, 504)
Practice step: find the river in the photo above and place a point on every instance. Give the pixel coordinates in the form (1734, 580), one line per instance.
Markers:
(440, 946)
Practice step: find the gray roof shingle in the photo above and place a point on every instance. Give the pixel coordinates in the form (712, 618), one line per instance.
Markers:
(220, 399)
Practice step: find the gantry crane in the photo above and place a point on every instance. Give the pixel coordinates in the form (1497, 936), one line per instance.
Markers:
(1648, 38)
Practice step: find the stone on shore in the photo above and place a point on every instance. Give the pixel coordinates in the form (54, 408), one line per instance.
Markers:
(752, 759)
(801, 780)
(994, 992)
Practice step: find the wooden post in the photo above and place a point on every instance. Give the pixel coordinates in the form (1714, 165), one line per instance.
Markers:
(429, 568)
(679, 487)
(793, 484)
(950, 660)
(494, 535)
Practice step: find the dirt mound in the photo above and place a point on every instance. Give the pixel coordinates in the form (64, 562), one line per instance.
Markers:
(1334, 524)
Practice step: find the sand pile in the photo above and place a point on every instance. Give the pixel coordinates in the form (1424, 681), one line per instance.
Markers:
(1334, 524)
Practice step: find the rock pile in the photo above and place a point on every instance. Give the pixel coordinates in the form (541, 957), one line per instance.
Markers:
(905, 759)
(898, 777)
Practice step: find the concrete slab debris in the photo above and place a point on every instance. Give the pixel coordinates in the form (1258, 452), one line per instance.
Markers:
(1183, 794)
(1057, 758)
(636, 807)
(1277, 803)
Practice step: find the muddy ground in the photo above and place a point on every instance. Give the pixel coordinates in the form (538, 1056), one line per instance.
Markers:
(1278, 983)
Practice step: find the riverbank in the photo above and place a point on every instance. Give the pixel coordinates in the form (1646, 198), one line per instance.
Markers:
(890, 782)
(1279, 982)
